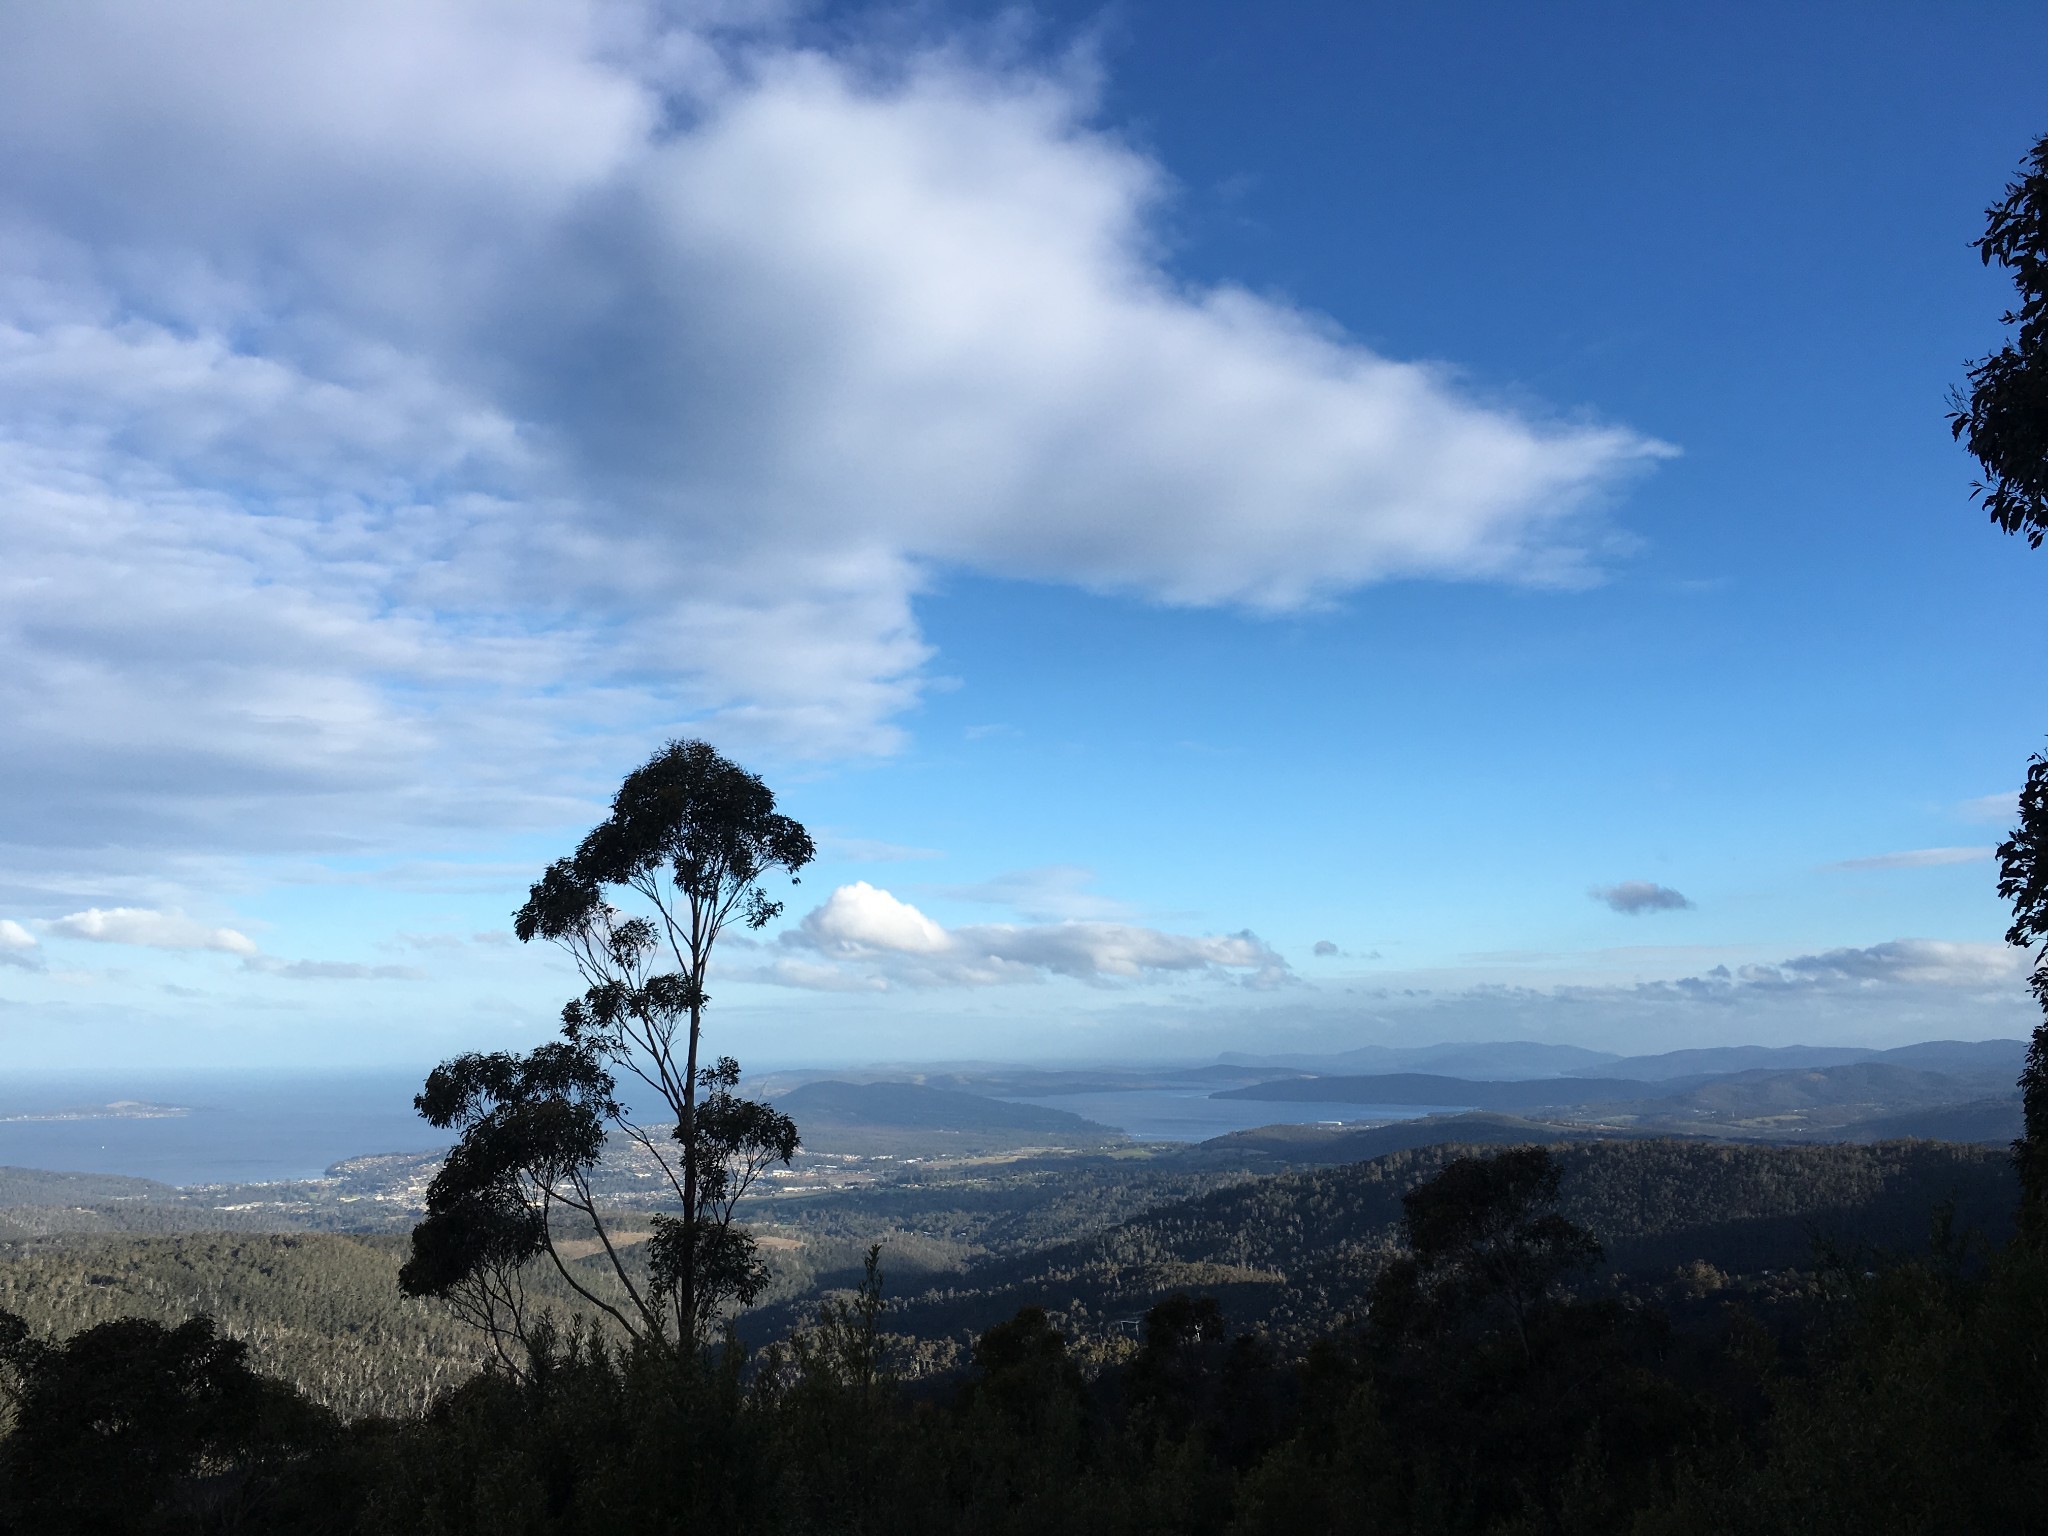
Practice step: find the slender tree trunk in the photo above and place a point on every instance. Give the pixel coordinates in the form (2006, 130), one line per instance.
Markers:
(686, 1291)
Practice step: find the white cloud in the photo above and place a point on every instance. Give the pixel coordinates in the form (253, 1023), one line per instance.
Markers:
(407, 409)
(858, 918)
(147, 929)
(1121, 951)
(874, 940)
(1916, 858)
(18, 946)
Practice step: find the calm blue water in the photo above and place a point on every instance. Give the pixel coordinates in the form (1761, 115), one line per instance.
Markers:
(243, 1128)
(250, 1128)
(1189, 1114)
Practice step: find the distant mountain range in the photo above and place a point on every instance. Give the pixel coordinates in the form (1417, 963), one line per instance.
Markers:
(2002, 1058)
(1865, 1100)
(1409, 1088)
(1944, 1089)
(1523, 1060)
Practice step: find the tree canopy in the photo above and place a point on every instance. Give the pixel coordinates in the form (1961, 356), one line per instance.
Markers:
(2004, 419)
(2004, 423)
(689, 839)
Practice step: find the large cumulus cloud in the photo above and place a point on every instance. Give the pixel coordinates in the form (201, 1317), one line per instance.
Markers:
(402, 405)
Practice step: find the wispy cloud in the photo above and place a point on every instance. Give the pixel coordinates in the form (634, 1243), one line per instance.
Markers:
(148, 929)
(1632, 898)
(870, 850)
(1916, 858)
(489, 938)
(333, 970)
(2003, 809)
(18, 946)
(443, 878)
(1050, 893)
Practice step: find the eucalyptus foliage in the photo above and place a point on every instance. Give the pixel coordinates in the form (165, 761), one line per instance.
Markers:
(639, 907)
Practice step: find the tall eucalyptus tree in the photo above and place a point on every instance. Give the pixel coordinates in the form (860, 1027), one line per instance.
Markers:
(639, 908)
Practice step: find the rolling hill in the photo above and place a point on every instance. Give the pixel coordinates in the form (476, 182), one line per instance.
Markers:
(1296, 1252)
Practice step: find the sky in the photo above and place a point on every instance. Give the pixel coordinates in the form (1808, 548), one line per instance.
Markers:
(1271, 528)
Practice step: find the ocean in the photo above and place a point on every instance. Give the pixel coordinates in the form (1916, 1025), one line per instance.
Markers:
(260, 1127)
(235, 1127)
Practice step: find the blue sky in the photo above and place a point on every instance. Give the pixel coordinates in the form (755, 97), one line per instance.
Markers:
(1159, 489)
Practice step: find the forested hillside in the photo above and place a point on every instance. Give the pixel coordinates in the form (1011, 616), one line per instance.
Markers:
(1430, 1342)
(321, 1311)
(1296, 1253)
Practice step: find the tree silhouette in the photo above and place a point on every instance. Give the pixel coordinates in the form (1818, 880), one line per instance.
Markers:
(2004, 419)
(133, 1426)
(2004, 423)
(689, 839)
(2023, 880)
(1487, 1245)
(1494, 1376)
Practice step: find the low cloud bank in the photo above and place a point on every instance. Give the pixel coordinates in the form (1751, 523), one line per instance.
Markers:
(864, 939)
(1890, 993)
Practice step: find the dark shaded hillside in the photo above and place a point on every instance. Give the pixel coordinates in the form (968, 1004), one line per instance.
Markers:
(319, 1310)
(1296, 1252)
(1993, 1122)
(1327, 1144)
